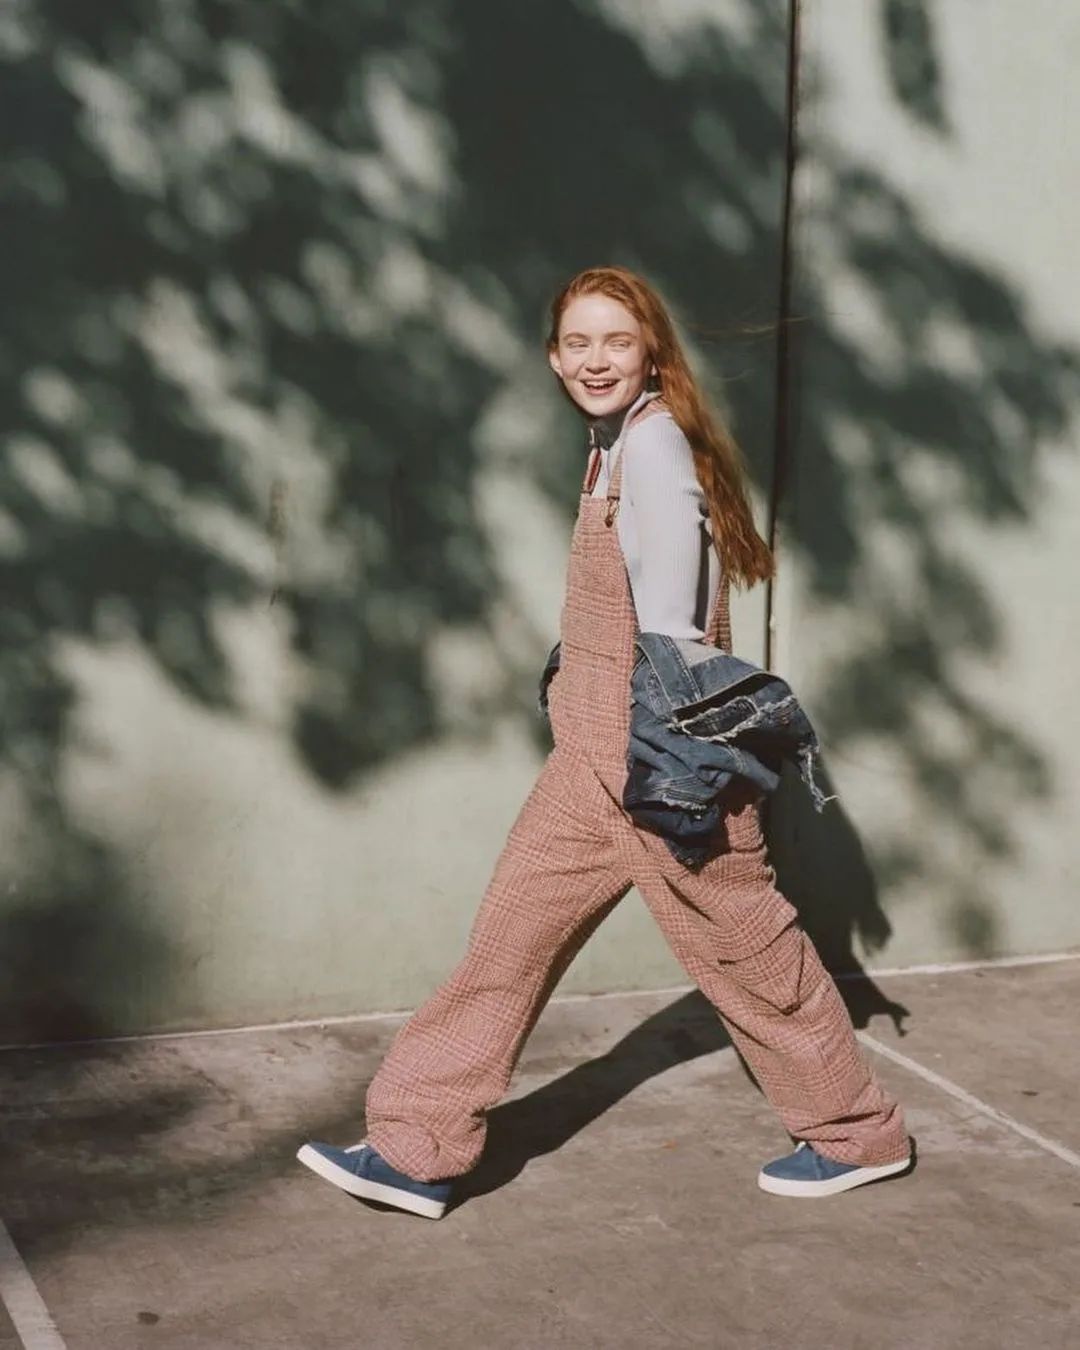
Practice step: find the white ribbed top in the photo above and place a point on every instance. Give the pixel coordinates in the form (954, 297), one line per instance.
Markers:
(664, 528)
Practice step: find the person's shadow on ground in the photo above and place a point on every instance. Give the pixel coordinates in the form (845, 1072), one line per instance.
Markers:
(542, 1121)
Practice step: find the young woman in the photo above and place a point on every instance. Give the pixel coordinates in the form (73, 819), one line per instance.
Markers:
(663, 528)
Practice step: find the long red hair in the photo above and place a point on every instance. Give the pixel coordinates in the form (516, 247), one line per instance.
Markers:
(718, 461)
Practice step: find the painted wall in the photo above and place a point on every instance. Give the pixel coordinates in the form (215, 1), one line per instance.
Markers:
(928, 608)
(287, 487)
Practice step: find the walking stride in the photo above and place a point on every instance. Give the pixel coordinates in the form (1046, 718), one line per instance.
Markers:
(663, 529)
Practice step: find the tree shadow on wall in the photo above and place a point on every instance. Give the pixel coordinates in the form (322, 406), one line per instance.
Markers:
(274, 286)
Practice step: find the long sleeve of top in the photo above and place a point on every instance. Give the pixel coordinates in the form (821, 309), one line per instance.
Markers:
(664, 528)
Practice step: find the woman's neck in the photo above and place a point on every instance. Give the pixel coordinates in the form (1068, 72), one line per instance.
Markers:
(606, 428)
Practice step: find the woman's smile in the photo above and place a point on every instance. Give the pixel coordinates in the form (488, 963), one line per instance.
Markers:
(599, 391)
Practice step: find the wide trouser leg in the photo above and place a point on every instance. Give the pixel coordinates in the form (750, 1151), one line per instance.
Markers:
(740, 941)
(559, 873)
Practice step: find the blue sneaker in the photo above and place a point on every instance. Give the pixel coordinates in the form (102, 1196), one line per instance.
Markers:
(361, 1171)
(808, 1173)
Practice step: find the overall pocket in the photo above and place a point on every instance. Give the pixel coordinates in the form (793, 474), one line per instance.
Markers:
(774, 974)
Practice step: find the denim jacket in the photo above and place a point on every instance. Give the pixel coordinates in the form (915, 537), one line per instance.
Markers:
(700, 718)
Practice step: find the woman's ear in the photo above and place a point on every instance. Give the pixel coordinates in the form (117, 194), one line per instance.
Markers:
(554, 362)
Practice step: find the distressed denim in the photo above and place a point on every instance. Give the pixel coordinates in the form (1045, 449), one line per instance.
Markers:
(551, 665)
(699, 719)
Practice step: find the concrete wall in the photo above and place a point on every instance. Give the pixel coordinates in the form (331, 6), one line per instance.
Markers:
(927, 609)
(288, 489)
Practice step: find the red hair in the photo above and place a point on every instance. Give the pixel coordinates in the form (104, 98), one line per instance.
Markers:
(718, 461)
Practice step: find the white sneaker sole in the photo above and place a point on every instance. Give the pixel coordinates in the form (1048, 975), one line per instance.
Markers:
(368, 1190)
(808, 1189)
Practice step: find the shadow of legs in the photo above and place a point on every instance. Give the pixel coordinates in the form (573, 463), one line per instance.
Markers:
(544, 1120)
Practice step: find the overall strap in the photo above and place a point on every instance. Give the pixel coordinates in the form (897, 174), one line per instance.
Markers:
(719, 630)
(592, 464)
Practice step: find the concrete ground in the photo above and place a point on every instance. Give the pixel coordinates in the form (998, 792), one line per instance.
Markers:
(152, 1198)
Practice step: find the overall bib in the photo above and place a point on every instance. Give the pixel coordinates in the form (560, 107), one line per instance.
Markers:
(571, 855)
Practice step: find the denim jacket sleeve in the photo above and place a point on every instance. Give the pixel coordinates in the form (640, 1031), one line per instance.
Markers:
(715, 713)
(550, 667)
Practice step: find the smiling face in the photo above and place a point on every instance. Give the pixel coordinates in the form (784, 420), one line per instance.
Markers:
(601, 356)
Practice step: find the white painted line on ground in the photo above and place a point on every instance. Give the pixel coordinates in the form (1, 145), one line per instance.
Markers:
(970, 1100)
(18, 1292)
(958, 967)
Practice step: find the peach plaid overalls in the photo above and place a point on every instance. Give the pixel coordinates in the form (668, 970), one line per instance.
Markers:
(571, 855)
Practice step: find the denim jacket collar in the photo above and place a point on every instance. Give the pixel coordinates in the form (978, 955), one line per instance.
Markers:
(684, 684)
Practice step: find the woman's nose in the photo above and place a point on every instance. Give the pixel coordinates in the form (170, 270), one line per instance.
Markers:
(597, 361)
